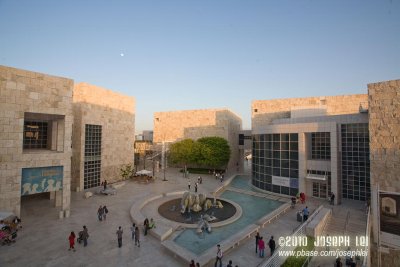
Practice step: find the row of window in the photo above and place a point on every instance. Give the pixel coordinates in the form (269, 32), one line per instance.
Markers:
(283, 163)
(275, 155)
(35, 135)
(275, 188)
(355, 161)
(321, 146)
(92, 166)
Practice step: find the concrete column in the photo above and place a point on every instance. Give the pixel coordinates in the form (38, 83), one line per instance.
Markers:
(54, 133)
(52, 195)
(58, 198)
(60, 135)
(302, 163)
(335, 177)
(374, 212)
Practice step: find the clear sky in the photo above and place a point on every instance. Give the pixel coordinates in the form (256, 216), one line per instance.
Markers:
(175, 55)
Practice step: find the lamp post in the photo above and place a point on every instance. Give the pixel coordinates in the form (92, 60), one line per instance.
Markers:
(163, 159)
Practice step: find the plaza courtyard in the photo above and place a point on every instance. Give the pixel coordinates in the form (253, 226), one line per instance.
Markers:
(43, 240)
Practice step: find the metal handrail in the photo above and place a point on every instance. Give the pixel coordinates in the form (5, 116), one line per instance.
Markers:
(276, 260)
(346, 222)
(366, 260)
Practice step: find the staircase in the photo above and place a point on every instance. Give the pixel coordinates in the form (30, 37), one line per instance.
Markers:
(345, 221)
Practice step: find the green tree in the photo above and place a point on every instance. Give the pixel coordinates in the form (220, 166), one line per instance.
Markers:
(213, 152)
(126, 171)
(183, 152)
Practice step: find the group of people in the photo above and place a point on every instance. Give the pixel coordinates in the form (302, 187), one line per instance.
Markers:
(148, 225)
(8, 230)
(218, 259)
(102, 213)
(260, 245)
(196, 185)
(135, 234)
(301, 197)
(83, 236)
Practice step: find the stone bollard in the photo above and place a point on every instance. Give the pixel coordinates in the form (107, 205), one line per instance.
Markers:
(61, 215)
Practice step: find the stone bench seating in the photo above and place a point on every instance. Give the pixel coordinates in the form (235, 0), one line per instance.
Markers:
(161, 232)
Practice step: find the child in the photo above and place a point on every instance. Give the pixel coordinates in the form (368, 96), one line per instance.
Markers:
(71, 239)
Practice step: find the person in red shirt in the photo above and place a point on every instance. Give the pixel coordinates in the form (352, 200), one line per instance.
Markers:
(261, 247)
(71, 239)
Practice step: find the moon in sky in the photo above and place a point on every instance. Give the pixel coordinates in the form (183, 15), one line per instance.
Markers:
(122, 54)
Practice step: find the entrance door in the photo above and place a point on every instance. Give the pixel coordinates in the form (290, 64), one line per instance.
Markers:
(320, 190)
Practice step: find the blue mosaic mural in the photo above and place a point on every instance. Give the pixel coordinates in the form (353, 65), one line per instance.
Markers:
(43, 179)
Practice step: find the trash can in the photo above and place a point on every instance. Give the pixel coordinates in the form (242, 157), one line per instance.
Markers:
(299, 216)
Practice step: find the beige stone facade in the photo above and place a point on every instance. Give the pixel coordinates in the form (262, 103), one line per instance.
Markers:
(194, 124)
(115, 113)
(384, 127)
(264, 111)
(304, 117)
(26, 95)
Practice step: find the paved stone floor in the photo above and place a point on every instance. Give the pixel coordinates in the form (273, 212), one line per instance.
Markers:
(43, 240)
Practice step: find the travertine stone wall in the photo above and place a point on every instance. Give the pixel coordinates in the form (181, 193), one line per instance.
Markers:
(384, 130)
(116, 114)
(264, 111)
(384, 134)
(25, 91)
(177, 125)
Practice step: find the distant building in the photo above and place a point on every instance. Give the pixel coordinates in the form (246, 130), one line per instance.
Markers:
(148, 136)
(194, 124)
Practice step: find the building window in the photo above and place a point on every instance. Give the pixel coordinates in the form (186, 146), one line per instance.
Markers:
(321, 146)
(36, 135)
(275, 158)
(355, 161)
(92, 164)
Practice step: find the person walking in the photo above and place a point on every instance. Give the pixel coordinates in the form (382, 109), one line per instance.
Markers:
(105, 184)
(133, 231)
(137, 236)
(195, 187)
(71, 239)
(146, 225)
(305, 213)
(261, 247)
(100, 212)
(332, 198)
(229, 264)
(105, 211)
(85, 235)
(257, 239)
(197, 264)
(119, 235)
(219, 256)
(189, 184)
(271, 245)
(192, 264)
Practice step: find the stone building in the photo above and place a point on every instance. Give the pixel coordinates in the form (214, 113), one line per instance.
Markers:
(384, 129)
(315, 145)
(178, 125)
(103, 135)
(45, 121)
(35, 137)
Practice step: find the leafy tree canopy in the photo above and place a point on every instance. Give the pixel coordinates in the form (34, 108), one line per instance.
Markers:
(212, 152)
(215, 152)
(182, 152)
